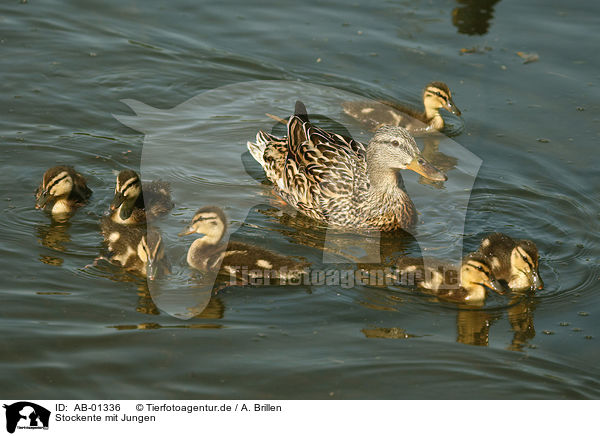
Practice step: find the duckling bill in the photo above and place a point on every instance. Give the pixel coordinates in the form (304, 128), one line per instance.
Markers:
(62, 191)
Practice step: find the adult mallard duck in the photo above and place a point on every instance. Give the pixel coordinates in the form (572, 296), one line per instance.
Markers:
(340, 181)
(465, 283)
(64, 188)
(236, 260)
(514, 261)
(436, 96)
(135, 203)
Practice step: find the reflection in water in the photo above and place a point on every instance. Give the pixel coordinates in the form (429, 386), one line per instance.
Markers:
(214, 310)
(474, 17)
(441, 161)
(54, 236)
(473, 326)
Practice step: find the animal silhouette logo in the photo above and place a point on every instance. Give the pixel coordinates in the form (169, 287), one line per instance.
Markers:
(197, 147)
(24, 414)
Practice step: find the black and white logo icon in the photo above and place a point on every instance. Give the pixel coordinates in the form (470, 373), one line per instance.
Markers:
(26, 415)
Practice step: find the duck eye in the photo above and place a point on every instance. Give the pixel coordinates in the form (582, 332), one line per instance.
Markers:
(395, 143)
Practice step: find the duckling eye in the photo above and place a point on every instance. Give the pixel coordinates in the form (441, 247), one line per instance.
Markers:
(395, 143)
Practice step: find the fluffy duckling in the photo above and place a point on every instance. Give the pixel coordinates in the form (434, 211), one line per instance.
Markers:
(64, 188)
(136, 249)
(436, 95)
(514, 261)
(137, 203)
(209, 253)
(466, 283)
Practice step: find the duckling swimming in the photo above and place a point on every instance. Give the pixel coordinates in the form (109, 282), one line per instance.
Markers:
(209, 253)
(466, 283)
(514, 261)
(335, 179)
(64, 188)
(135, 248)
(436, 95)
(135, 203)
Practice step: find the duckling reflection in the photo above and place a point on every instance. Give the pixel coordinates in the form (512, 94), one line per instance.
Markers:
(474, 17)
(62, 191)
(135, 249)
(137, 203)
(215, 309)
(466, 283)
(236, 260)
(514, 261)
(54, 235)
(436, 95)
(440, 160)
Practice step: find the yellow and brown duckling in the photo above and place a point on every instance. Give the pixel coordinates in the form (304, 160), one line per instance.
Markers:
(514, 261)
(137, 203)
(62, 191)
(135, 248)
(465, 283)
(209, 253)
(436, 96)
(340, 181)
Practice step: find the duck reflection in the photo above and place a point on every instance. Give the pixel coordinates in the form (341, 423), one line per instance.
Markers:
(54, 236)
(474, 17)
(215, 309)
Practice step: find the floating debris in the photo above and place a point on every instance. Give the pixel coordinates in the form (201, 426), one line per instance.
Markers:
(543, 140)
(577, 329)
(583, 313)
(589, 337)
(528, 57)
(563, 324)
(548, 332)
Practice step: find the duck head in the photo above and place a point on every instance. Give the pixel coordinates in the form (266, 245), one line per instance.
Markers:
(436, 95)
(127, 191)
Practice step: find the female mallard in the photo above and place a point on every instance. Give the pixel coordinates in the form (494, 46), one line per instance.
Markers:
(64, 188)
(135, 203)
(514, 261)
(208, 253)
(466, 283)
(135, 248)
(436, 95)
(340, 181)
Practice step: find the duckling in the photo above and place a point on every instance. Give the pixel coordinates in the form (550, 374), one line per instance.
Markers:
(135, 248)
(65, 188)
(135, 203)
(209, 253)
(472, 277)
(340, 181)
(436, 95)
(514, 261)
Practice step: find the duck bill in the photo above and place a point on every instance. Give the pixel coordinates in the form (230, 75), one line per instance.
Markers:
(424, 168)
(152, 269)
(495, 286)
(187, 231)
(537, 283)
(117, 201)
(42, 200)
(451, 107)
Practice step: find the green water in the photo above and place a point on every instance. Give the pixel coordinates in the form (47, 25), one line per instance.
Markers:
(75, 332)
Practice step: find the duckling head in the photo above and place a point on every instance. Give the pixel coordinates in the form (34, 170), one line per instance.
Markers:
(151, 252)
(476, 276)
(524, 267)
(127, 191)
(436, 95)
(515, 261)
(209, 222)
(57, 183)
(393, 148)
